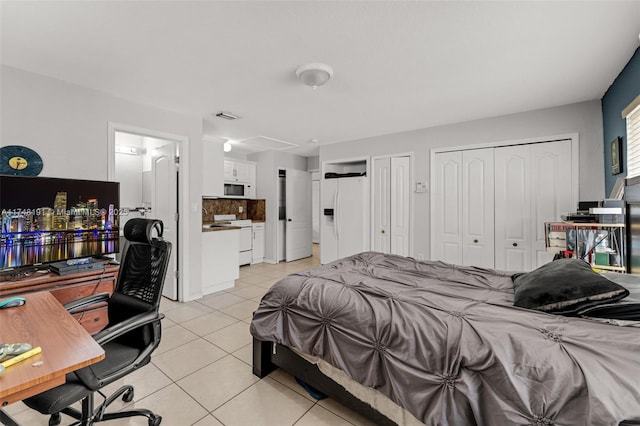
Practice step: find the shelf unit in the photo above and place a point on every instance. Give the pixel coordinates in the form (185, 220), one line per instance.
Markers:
(615, 235)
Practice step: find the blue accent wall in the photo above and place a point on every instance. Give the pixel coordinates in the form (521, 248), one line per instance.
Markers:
(624, 89)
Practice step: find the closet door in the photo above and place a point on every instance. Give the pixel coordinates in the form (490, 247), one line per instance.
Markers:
(399, 205)
(478, 208)
(551, 175)
(533, 186)
(447, 196)
(513, 208)
(381, 205)
(391, 193)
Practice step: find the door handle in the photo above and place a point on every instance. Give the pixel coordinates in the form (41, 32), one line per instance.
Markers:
(288, 220)
(382, 231)
(335, 214)
(475, 241)
(515, 244)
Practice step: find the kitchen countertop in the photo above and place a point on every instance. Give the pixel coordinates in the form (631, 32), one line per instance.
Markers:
(217, 226)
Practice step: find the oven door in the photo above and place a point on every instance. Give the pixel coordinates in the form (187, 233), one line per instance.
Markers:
(234, 189)
(245, 239)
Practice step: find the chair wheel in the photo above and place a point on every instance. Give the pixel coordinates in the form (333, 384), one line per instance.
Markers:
(128, 395)
(55, 419)
(155, 421)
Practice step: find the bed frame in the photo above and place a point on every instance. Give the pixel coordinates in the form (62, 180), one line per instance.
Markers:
(268, 356)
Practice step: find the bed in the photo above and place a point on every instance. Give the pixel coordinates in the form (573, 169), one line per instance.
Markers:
(409, 342)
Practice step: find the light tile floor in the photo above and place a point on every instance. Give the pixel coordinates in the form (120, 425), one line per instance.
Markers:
(201, 373)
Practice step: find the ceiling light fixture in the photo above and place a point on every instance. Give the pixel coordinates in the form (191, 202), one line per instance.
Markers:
(227, 115)
(314, 75)
(226, 146)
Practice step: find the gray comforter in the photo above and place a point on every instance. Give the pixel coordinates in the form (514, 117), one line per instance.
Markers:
(445, 343)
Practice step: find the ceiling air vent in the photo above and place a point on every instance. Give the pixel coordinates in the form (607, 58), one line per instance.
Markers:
(226, 115)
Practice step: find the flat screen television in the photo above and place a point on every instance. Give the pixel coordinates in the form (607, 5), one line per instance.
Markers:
(46, 220)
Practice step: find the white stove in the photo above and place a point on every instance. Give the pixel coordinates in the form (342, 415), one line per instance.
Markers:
(245, 234)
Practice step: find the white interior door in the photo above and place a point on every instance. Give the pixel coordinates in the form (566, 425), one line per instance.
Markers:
(382, 205)
(447, 221)
(315, 211)
(478, 208)
(399, 206)
(164, 206)
(551, 169)
(298, 210)
(513, 208)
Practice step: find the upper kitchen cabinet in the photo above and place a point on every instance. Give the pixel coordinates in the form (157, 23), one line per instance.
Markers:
(212, 173)
(240, 174)
(239, 171)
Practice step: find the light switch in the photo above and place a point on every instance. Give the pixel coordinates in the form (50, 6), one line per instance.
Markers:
(240, 209)
(421, 187)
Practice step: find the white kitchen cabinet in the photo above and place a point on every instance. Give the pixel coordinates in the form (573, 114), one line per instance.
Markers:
(239, 171)
(220, 258)
(229, 170)
(257, 248)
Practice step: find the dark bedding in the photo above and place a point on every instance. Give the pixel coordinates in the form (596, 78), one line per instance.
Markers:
(446, 343)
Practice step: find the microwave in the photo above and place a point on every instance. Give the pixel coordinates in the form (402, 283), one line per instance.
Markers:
(237, 190)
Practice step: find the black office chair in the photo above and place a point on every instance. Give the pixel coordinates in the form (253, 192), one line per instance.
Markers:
(132, 334)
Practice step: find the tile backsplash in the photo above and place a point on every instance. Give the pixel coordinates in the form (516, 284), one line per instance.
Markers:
(243, 209)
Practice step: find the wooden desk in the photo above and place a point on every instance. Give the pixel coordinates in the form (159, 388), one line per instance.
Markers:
(66, 288)
(66, 346)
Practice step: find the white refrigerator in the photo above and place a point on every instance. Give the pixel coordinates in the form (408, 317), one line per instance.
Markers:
(344, 217)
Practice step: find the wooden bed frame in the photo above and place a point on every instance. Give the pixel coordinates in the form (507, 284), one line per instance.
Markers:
(268, 356)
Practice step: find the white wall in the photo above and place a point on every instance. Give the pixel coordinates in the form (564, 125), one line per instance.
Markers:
(68, 126)
(584, 118)
(268, 164)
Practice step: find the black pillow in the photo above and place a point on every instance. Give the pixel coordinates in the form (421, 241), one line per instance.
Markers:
(564, 287)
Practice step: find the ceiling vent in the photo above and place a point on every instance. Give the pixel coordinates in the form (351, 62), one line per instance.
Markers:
(227, 116)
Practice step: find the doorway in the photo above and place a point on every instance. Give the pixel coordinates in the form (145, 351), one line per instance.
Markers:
(294, 215)
(146, 165)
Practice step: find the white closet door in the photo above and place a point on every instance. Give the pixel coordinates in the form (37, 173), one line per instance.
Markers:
(381, 205)
(400, 193)
(513, 208)
(447, 221)
(478, 208)
(551, 191)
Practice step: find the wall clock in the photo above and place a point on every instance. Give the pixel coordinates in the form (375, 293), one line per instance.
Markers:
(19, 160)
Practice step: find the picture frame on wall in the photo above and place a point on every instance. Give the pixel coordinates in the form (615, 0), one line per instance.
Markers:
(616, 156)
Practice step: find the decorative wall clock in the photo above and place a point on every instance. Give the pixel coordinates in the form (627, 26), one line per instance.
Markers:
(19, 160)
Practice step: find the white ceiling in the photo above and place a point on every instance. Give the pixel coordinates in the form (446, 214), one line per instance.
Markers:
(397, 65)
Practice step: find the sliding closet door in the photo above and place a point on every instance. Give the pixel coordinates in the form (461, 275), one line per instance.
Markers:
(478, 207)
(551, 176)
(447, 209)
(464, 208)
(513, 208)
(533, 186)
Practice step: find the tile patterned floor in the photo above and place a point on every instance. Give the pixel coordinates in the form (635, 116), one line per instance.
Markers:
(201, 373)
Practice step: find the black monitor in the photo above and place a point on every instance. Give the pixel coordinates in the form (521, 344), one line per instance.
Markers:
(44, 220)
